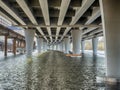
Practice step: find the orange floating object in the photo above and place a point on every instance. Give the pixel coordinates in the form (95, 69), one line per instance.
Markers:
(73, 54)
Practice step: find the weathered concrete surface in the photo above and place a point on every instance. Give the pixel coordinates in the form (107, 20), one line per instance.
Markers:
(111, 29)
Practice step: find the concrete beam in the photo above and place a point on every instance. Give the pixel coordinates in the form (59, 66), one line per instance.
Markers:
(93, 33)
(27, 11)
(8, 18)
(89, 30)
(96, 31)
(63, 10)
(95, 15)
(54, 35)
(45, 11)
(11, 12)
(92, 36)
(62, 26)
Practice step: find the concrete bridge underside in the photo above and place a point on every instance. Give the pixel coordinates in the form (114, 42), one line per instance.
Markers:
(57, 23)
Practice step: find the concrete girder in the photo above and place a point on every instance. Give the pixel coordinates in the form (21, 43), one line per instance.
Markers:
(62, 26)
(92, 36)
(11, 12)
(96, 31)
(45, 11)
(89, 30)
(94, 16)
(63, 10)
(8, 18)
(93, 33)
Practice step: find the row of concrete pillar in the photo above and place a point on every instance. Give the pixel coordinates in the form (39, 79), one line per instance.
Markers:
(64, 46)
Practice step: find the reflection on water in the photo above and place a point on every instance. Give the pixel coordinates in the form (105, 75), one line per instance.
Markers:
(52, 71)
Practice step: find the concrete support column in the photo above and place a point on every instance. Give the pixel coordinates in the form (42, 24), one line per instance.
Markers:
(14, 46)
(41, 40)
(63, 46)
(111, 27)
(94, 45)
(29, 38)
(44, 46)
(49, 47)
(76, 35)
(54, 47)
(71, 46)
(82, 46)
(67, 45)
(39, 44)
(59, 47)
(5, 47)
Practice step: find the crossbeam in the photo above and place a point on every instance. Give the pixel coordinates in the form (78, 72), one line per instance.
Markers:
(62, 26)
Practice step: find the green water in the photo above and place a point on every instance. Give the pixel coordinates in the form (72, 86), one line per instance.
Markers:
(52, 71)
